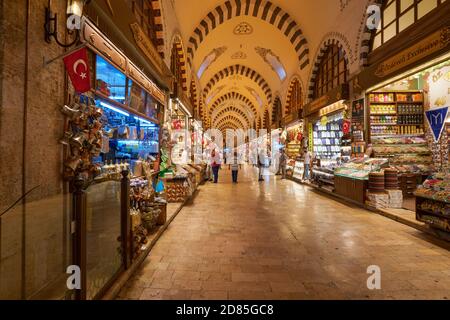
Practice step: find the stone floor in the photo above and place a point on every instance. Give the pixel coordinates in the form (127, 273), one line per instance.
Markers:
(281, 240)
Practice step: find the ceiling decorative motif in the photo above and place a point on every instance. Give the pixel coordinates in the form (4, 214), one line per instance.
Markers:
(239, 55)
(243, 28)
(214, 94)
(262, 9)
(210, 59)
(273, 61)
(239, 71)
(255, 95)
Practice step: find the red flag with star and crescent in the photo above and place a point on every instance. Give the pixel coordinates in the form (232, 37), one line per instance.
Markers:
(77, 66)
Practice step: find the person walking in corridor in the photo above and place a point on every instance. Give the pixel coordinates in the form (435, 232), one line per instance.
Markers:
(235, 168)
(215, 164)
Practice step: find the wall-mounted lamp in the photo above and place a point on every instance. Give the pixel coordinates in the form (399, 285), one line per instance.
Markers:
(74, 14)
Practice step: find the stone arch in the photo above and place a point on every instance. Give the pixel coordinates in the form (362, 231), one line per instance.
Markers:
(295, 82)
(159, 25)
(178, 57)
(262, 9)
(243, 71)
(267, 124)
(193, 97)
(277, 112)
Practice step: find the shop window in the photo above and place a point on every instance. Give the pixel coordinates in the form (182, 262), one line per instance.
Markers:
(399, 15)
(110, 81)
(426, 6)
(406, 20)
(136, 97)
(332, 71)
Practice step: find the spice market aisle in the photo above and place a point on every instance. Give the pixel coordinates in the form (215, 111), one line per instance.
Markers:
(281, 240)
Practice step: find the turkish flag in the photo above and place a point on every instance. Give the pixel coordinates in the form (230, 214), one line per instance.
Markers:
(77, 66)
(346, 127)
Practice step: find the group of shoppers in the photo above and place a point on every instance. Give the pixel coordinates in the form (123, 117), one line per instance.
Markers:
(215, 160)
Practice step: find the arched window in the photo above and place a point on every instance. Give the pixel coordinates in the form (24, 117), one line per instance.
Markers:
(294, 102)
(332, 71)
(397, 15)
(146, 16)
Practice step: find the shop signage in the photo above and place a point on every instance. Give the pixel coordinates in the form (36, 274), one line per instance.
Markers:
(144, 43)
(422, 49)
(436, 120)
(311, 137)
(289, 119)
(77, 66)
(335, 95)
(319, 103)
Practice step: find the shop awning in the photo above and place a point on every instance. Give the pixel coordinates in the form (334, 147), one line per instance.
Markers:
(117, 22)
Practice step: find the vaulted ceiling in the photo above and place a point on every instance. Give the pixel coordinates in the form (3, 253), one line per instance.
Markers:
(243, 52)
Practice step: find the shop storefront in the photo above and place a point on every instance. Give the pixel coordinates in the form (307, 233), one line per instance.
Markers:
(329, 140)
(406, 101)
(112, 142)
(406, 97)
(118, 149)
(295, 142)
(183, 178)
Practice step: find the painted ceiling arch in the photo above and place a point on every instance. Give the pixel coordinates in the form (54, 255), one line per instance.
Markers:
(242, 109)
(243, 71)
(233, 96)
(261, 9)
(226, 38)
(233, 111)
(232, 119)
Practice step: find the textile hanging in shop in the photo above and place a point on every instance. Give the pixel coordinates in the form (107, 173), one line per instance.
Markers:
(436, 120)
(77, 66)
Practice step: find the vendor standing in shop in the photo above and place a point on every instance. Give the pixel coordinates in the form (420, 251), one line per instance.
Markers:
(307, 164)
(369, 152)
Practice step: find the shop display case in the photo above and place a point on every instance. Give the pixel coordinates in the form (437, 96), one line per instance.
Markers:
(324, 174)
(433, 202)
(351, 179)
(409, 154)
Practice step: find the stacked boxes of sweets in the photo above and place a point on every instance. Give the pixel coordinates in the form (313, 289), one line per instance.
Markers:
(391, 179)
(433, 201)
(376, 182)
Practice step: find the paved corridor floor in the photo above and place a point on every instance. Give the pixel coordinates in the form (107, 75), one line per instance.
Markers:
(282, 240)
